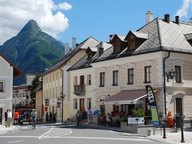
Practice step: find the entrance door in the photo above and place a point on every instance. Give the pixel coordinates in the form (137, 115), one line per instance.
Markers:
(130, 109)
(1, 115)
(179, 106)
(81, 104)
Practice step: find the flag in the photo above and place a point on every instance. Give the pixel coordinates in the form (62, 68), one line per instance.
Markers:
(152, 103)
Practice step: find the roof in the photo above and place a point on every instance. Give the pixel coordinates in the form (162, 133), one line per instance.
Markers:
(160, 35)
(85, 62)
(126, 97)
(16, 71)
(141, 35)
(89, 42)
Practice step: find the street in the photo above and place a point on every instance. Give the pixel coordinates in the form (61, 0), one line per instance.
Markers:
(71, 134)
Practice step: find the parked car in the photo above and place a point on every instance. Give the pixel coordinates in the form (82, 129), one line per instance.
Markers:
(24, 120)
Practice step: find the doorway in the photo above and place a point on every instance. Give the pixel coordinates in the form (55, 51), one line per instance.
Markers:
(179, 106)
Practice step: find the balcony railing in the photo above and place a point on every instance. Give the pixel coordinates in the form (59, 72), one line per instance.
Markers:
(79, 90)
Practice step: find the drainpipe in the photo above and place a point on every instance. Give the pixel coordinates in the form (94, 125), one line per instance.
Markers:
(164, 86)
(62, 96)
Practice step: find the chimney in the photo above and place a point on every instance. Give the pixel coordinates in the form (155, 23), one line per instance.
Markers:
(177, 19)
(100, 51)
(149, 16)
(110, 37)
(166, 18)
(73, 42)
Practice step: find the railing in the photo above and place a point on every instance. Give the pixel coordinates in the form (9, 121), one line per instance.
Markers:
(79, 90)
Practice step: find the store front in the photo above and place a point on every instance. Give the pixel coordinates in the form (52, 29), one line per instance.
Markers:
(125, 101)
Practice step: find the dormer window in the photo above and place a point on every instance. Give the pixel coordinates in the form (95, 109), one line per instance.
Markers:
(131, 43)
(118, 43)
(189, 38)
(135, 39)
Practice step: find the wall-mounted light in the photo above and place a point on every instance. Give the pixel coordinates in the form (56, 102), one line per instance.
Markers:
(170, 75)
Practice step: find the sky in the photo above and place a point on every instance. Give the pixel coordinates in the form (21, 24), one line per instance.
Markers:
(64, 19)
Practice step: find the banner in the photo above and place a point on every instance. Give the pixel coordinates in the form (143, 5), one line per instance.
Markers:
(152, 104)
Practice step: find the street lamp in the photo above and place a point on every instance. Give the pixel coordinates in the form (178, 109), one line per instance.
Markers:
(164, 89)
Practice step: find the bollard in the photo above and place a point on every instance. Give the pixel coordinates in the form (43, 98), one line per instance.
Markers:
(182, 134)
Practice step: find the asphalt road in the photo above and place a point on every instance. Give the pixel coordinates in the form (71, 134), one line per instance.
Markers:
(69, 135)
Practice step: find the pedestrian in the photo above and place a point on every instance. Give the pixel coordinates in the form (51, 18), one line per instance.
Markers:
(54, 117)
(89, 115)
(9, 118)
(50, 117)
(47, 117)
(5, 117)
(78, 117)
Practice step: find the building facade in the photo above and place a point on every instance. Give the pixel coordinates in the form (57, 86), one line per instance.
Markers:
(7, 73)
(56, 82)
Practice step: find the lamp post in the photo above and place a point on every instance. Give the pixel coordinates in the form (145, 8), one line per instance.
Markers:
(182, 134)
(164, 89)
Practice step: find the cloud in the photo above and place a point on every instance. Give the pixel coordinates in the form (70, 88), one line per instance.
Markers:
(63, 6)
(14, 14)
(182, 12)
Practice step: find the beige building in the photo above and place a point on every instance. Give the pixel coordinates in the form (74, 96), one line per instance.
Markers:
(149, 56)
(82, 92)
(56, 82)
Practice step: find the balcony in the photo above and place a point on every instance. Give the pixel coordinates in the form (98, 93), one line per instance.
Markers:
(79, 90)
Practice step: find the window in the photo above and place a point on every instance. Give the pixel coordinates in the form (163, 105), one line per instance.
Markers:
(147, 74)
(75, 104)
(1, 87)
(115, 78)
(88, 79)
(131, 42)
(178, 74)
(102, 79)
(130, 76)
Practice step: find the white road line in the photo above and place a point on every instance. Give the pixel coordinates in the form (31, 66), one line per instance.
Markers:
(46, 133)
(15, 141)
(19, 136)
(100, 138)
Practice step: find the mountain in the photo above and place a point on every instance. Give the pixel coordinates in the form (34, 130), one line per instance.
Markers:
(32, 50)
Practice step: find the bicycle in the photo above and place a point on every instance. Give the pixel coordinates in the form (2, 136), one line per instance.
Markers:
(33, 123)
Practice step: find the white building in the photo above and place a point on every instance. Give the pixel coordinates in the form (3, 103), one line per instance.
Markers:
(7, 73)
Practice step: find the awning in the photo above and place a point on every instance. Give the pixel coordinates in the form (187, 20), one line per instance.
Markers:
(126, 97)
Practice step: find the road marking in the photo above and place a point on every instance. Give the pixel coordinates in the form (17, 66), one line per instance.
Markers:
(19, 136)
(99, 138)
(40, 137)
(71, 137)
(15, 141)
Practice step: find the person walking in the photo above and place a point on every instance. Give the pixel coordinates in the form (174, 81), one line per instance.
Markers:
(9, 118)
(5, 117)
(78, 117)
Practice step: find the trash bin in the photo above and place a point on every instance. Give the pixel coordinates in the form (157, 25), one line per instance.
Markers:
(178, 118)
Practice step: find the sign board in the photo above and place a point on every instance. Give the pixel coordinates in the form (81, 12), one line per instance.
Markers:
(136, 120)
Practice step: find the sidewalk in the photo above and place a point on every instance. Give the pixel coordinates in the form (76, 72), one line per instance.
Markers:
(4, 129)
(173, 137)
